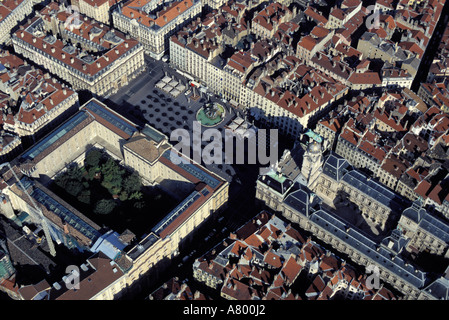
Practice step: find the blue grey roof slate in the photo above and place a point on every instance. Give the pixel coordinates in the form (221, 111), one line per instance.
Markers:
(439, 289)
(369, 248)
(336, 166)
(426, 221)
(374, 190)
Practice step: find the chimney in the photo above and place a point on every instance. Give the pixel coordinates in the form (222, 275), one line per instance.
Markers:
(72, 60)
(53, 49)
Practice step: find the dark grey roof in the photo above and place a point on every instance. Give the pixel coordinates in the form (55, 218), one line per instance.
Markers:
(24, 251)
(408, 180)
(335, 166)
(413, 62)
(279, 185)
(427, 222)
(291, 162)
(367, 247)
(231, 32)
(435, 227)
(395, 242)
(439, 289)
(371, 37)
(302, 201)
(374, 189)
(142, 246)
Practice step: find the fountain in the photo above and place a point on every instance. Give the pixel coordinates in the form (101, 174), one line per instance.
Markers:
(211, 114)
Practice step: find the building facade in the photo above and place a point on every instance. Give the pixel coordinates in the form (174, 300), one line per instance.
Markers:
(153, 23)
(200, 193)
(12, 13)
(121, 59)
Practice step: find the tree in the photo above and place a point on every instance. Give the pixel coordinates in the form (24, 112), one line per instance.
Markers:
(74, 187)
(136, 195)
(71, 180)
(93, 158)
(112, 176)
(84, 196)
(105, 206)
(92, 172)
(123, 196)
(132, 183)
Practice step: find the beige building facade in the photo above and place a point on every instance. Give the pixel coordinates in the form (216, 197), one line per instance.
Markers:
(200, 193)
(154, 23)
(122, 59)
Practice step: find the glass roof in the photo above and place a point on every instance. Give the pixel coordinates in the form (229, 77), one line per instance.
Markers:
(194, 170)
(110, 117)
(180, 208)
(65, 214)
(54, 136)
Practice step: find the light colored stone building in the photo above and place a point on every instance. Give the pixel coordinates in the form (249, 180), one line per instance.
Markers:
(301, 206)
(97, 9)
(13, 12)
(152, 22)
(70, 58)
(200, 192)
(426, 233)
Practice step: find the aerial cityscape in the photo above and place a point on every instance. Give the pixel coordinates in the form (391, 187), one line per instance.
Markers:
(222, 150)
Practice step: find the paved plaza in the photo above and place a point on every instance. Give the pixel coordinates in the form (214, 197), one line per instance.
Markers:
(142, 102)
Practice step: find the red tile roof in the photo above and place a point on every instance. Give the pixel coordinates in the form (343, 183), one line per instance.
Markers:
(369, 78)
(315, 15)
(132, 11)
(290, 270)
(272, 259)
(307, 42)
(56, 49)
